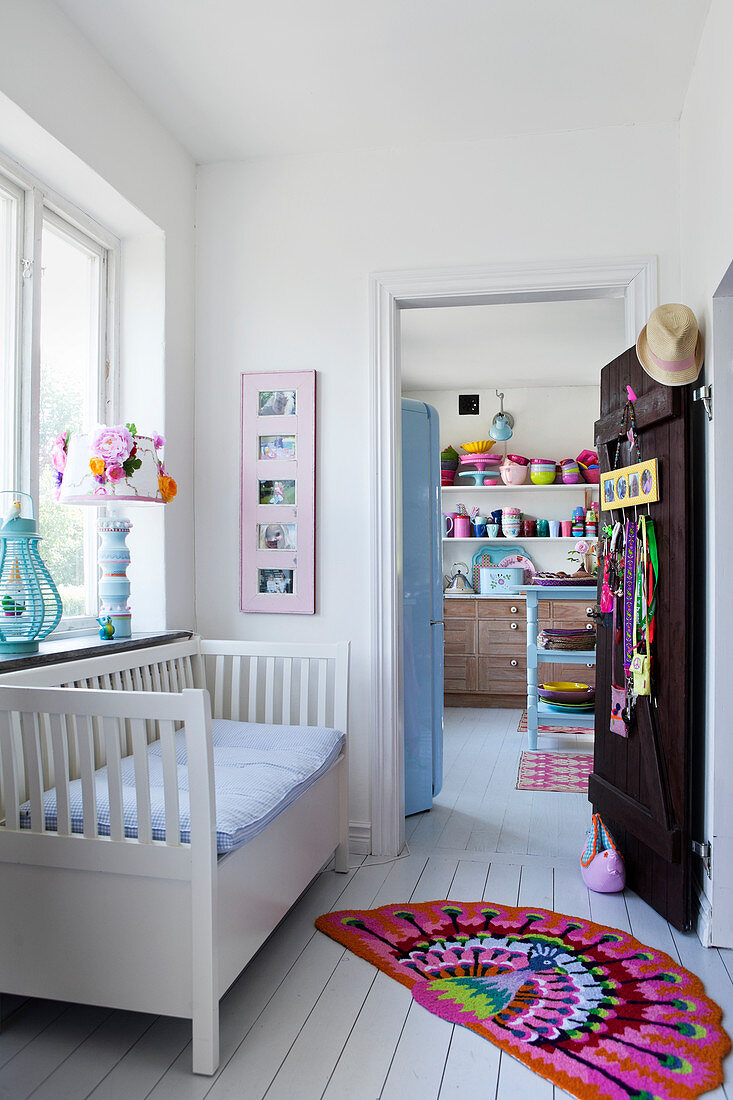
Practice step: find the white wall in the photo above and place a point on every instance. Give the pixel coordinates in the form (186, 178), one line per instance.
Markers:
(548, 423)
(706, 215)
(284, 249)
(70, 119)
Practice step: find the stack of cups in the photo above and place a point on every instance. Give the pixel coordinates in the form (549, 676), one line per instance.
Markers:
(510, 520)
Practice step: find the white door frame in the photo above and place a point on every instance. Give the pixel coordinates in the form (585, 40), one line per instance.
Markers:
(715, 921)
(633, 278)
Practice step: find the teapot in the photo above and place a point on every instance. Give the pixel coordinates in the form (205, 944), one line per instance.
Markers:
(458, 583)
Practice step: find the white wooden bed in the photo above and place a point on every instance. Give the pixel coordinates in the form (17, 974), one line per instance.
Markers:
(136, 923)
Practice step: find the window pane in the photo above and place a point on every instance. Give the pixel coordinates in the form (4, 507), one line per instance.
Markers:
(69, 399)
(9, 261)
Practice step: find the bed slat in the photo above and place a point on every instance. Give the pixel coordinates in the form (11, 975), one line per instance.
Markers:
(253, 674)
(157, 680)
(305, 679)
(32, 752)
(85, 746)
(10, 771)
(142, 780)
(322, 685)
(269, 688)
(111, 730)
(60, 748)
(287, 688)
(219, 688)
(170, 783)
(236, 679)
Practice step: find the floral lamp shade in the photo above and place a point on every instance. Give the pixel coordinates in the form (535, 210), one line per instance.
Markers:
(112, 465)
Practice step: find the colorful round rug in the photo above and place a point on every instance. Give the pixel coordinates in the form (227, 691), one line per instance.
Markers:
(589, 1008)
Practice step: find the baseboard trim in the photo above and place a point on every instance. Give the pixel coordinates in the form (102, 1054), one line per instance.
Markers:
(360, 838)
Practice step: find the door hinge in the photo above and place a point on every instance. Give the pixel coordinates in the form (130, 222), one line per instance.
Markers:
(705, 851)
(26, 268)
(705, 394)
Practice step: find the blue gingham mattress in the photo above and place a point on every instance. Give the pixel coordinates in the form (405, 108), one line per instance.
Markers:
(259, 770)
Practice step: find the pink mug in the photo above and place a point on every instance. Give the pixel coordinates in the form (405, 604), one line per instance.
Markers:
(462, 527)
(567, 528)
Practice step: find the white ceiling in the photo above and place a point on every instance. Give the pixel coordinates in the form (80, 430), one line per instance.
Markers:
(238, 78)
(523, 344)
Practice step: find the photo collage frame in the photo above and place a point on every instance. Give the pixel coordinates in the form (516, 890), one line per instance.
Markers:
(630, 486)
(277, 537)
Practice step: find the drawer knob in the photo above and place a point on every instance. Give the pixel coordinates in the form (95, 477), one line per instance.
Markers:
(589, 610)
(513, 663)
(512, 626)
(513, 610)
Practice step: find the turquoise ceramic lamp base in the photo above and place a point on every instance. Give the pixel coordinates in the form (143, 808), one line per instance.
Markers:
(114, 586)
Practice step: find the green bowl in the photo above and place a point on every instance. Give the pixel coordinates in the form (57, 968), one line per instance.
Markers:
(539, 478)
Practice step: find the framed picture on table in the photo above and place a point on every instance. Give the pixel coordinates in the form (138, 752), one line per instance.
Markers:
(277, 525)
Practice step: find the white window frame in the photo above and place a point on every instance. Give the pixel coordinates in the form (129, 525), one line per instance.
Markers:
(36, 203)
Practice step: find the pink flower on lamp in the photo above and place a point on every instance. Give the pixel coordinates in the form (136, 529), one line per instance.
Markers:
(58, 452)
(112, 444)
(158, 441)
(115, 472)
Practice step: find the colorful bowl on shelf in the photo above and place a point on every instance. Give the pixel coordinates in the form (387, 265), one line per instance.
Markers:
(480, 446)
(591, 474)
(518, 460)
(567, 692)
(447, 477)
(512, 474)
(541, 476)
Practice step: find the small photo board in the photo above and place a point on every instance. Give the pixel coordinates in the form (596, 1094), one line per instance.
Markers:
(630, 486)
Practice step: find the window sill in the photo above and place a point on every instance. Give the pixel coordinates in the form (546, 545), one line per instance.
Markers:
(87, 645)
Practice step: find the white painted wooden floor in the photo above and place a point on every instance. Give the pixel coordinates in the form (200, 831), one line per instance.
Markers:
(308, 1020)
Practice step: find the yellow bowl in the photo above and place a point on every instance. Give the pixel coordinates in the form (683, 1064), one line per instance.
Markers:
(564, 685)
(480, 447)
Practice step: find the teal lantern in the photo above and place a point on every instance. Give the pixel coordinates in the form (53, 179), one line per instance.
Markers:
(30, 605)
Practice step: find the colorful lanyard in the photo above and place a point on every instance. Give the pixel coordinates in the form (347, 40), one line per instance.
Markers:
(646, 582)
(629, 591)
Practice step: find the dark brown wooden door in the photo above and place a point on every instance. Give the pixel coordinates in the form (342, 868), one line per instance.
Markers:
(642, 785)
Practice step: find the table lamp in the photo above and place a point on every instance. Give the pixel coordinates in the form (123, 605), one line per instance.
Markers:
(112, 466)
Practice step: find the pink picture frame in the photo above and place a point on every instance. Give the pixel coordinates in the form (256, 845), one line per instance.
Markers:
(277, 509)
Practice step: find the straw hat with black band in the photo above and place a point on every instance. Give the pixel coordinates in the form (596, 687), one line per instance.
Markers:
(670, 347)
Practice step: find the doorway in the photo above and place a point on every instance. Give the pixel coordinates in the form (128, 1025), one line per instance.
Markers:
(633, 279)
(544, 358)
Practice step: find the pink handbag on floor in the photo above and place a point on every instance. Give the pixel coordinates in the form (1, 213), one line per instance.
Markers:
(601, 863)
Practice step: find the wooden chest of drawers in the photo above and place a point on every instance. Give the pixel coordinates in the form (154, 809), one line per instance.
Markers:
(486, 650)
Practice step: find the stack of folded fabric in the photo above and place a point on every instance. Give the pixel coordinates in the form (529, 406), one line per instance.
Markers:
(577, 638)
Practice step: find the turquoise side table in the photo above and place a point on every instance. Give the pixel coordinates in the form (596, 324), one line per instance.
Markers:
(536, 707)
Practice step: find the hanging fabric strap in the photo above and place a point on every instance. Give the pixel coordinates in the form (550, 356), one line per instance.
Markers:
(652, 577)
(642, 615)
(629, 591)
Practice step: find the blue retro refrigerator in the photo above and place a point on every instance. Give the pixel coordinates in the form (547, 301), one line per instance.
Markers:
(422, 597)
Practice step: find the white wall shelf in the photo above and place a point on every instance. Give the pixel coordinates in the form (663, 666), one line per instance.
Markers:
(530, 538)
(582, 487)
